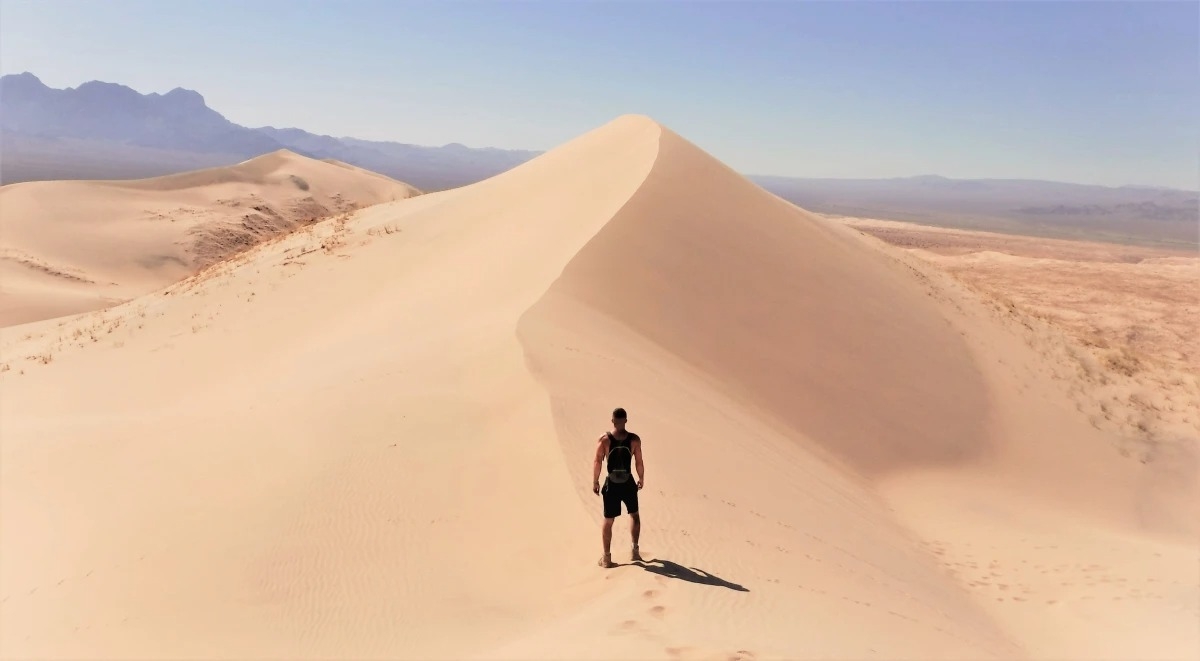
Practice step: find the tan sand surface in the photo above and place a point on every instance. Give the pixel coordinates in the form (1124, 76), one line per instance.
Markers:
(372, 438)
(75, 246)
(1130, 315)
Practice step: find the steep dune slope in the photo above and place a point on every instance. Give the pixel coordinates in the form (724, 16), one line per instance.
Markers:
(795, 317)
(73, 246)
(750, 339)
(371, 438)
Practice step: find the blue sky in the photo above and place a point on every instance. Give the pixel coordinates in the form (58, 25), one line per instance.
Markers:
(1091, 92)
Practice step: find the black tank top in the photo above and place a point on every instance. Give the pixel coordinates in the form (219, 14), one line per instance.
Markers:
(620, 452)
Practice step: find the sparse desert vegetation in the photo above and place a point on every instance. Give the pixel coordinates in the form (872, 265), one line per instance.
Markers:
(1124, 316)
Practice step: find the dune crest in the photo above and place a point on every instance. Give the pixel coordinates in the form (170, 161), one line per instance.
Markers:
(372, 438)
(73, 246)
(897, 379)
(705, 264)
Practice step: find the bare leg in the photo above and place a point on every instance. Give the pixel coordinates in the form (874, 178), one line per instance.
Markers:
(606, 535)
(635, 531)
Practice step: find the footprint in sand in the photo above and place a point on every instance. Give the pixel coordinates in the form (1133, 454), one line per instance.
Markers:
(658, 611)
(650, 594)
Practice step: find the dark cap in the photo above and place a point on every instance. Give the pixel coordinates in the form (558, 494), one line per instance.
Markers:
(619, 413)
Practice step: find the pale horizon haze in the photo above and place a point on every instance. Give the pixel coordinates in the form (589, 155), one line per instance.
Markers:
(1094, 93)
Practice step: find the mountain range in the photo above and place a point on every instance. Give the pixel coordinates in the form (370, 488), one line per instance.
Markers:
(104, 130)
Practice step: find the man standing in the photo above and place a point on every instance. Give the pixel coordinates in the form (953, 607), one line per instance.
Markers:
(619, 448)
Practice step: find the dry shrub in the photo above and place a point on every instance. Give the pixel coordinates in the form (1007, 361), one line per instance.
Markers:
(390, 228)
(1123, 361)
(333, 243)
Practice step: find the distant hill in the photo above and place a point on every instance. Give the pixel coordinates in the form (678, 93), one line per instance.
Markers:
(429, 168)
(1127, 214)
(108, 131)
(71, 246)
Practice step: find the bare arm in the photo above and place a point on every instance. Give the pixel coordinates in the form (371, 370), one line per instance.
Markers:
(636, 446)
(601, 450)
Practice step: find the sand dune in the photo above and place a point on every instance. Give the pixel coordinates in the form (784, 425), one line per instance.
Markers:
(372, 438)
(75, 246)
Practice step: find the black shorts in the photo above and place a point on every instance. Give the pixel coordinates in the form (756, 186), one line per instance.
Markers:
(616, 493)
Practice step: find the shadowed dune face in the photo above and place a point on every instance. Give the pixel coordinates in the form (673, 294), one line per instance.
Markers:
(778, 308)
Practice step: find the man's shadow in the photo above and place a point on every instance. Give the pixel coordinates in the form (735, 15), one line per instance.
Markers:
(689, 574)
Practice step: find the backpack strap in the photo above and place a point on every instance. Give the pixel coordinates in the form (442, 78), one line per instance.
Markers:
(627, 447)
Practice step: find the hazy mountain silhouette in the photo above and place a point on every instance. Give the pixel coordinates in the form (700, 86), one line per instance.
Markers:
(177, 120)
(104, 130)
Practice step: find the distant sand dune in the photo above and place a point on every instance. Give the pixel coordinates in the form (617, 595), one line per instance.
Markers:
(136, 236)
(371, 437)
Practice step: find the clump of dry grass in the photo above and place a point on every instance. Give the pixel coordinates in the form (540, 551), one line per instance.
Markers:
(337, 238)
(333, 243)
(1123, 361)
(390, 228)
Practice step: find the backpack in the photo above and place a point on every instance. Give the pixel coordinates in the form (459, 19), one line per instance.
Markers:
(619, 475)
